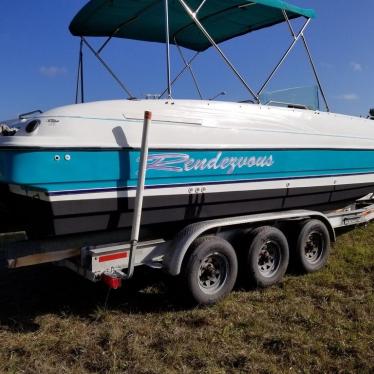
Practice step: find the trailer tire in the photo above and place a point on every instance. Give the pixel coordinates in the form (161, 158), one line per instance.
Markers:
(312, 247)
(267, 257)
(210, 270)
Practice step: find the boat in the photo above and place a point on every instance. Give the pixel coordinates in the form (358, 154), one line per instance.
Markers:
(74, 169)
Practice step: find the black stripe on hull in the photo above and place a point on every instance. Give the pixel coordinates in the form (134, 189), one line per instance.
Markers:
(69, 217)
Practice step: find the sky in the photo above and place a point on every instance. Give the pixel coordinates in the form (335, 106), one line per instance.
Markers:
(38, 59)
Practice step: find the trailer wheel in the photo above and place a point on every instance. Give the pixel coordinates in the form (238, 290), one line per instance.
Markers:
(312, 247)
(267, 257)
(210, 270)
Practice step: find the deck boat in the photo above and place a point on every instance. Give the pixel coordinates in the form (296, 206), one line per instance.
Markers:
(73, 169)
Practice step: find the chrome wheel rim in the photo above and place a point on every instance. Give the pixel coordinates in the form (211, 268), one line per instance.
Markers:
(269, 258)
(314, 247)
(213, 273)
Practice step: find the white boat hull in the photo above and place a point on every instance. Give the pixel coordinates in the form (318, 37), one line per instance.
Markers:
(77, 171)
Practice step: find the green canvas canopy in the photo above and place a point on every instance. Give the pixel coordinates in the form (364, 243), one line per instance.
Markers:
(145, 19)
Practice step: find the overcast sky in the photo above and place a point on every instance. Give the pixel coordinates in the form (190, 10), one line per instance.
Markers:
(38, 59)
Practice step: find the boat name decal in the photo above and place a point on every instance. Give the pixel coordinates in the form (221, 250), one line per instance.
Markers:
(180, 162)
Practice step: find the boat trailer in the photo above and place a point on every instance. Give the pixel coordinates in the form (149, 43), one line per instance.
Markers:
(206, 254)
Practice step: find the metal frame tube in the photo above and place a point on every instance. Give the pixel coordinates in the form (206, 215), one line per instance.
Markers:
(108, 68)
(296, 38)
(190, 69)
(139, 194)
(80, 76)
(180, 73)
(167, 36)
(289, 23)
(315, 71)
(310, 57)
(200, 6)
(214, 44)
(82, 72)
(125, 23)
(290, 48)
(106, 42)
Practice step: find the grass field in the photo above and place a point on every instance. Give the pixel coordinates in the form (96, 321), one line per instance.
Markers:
(52, 321)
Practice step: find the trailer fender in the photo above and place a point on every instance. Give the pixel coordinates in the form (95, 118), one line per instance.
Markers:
(179, 246)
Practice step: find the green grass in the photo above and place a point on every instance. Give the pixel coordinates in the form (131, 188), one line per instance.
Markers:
(52, 321)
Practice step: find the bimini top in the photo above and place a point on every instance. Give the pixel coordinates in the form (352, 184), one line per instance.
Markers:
(145, 19)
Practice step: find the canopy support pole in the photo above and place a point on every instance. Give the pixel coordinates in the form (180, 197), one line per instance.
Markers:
(315, 72)
(290, 48)
(125, 23)
(167, 36)
(310, 59)
(296, 38)
(190, 69)
(106, 42)
(214, 44)
(199, 7)
(181, 72)
(108, 68)
(289, 23)
(82, 72)
(80, 76)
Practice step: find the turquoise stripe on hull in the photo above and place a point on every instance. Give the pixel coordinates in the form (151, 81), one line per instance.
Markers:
(84, 169)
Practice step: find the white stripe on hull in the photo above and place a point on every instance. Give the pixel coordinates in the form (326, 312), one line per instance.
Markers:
(198, 189)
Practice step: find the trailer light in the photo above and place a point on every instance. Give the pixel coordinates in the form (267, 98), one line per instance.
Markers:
(111, 281)
(113, 257)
